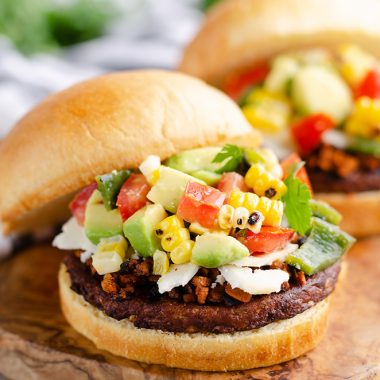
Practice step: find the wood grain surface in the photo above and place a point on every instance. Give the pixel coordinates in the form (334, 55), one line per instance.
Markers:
(37, 343)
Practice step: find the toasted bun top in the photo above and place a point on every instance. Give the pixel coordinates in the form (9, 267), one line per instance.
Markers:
(110, 122)
(239, 33)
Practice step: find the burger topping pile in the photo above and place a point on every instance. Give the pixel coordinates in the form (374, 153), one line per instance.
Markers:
(209, 218)
(329, 104)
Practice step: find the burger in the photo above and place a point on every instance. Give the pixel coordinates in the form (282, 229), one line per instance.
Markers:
(188, 244)
(307, 74)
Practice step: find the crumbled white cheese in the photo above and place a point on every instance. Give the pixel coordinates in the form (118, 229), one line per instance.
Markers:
(257, 261)
(73, 237)
(84, 256)
(178, 275)
(219, 280)
(257, 282)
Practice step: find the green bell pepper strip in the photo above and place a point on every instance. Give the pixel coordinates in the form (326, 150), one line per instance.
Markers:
(325, 245)
(109, 186)
(324, 211)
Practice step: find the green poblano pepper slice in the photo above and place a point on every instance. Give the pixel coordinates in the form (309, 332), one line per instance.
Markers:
(110, 184)
(324, 211)
(325, 245)
(364, 145)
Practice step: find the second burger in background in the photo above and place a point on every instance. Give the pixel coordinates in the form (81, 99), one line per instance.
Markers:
(287, 65)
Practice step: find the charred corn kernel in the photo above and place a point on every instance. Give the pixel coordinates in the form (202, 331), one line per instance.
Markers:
(226, 217)
(266, 111)
(117, 244)
(255, 221)
(174, 238)
(264, 183)
(272, 210)
(169, 224)
(240, 218)
(182, 253)
(365, 119)
(160, 263)
(355, 63)
(150, 168)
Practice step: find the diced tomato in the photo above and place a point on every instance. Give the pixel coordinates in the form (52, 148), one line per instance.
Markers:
(370, 86)
(308, 131)
(269, 239)
(237, 83)
(294, 158)
(231, 181)
(201, 204)
(79, 203)
(132, 196)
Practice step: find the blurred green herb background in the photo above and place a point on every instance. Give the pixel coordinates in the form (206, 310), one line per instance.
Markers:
(207, 4)
(45, 25)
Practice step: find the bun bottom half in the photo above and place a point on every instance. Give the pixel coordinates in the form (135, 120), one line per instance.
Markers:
(275, 343)
(360, 211)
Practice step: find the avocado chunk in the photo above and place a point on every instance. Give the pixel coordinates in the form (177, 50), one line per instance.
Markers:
(195, 160)
(210, 178)
(170, 187)
(140, 229)
(110, 184)
(99, 222)
(324, 211)
(318, 89)
(212, 250)
(325, 246)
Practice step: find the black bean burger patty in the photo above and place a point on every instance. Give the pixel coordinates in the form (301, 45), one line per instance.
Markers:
(163, 313)
(324, 182)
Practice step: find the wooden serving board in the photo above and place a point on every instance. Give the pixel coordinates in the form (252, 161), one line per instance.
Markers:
(37, 343)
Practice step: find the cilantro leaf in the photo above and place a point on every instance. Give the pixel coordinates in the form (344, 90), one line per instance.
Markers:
(297, 207)
(231, 156)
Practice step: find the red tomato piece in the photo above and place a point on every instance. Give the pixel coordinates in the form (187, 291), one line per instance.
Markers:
(79, 203)
(237, 83)
(294, 158)
(269, 239)
(370, 86)
(132, 196)
(201, 204)
(231, 181)
(308, 131)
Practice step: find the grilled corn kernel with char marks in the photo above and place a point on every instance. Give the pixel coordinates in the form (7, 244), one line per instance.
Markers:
(182, 253)
(169, 224)
(255, 221)
(264, 183)
(160, 263)
(272, 210)
(174, 238)
(240, 218)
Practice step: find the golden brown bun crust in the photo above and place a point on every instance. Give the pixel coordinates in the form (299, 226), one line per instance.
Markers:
(240, 33)
(360, 211)
(107, 123)
(275, 343)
